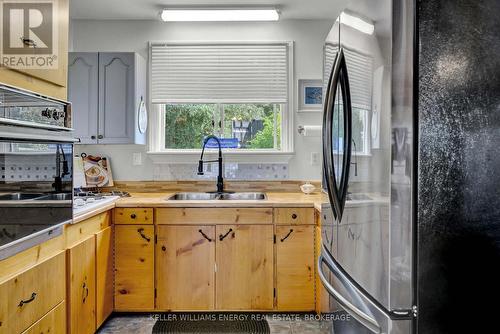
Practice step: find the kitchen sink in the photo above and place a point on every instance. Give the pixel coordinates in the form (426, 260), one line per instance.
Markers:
(244, 197)
(18, 196)
(55, 197)
(218, 196)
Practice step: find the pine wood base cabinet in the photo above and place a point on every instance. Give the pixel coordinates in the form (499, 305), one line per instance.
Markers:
(29, 295)
(104, 275)
(185, 262)
(134, 268)
(295, 268)
(82, 288)
(244, 267)
(235, 259)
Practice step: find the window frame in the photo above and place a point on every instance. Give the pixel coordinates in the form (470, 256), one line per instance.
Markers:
(156, 137)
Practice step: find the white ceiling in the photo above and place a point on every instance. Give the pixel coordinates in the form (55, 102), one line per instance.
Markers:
(149, 9)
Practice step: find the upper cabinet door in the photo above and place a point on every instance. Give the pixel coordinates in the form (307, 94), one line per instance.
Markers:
(82, 92)
(116, 98)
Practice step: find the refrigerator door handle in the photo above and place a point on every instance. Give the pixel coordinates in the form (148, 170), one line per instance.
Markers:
(337, 189)
(365, 319)
(328, 167)
(347, 108)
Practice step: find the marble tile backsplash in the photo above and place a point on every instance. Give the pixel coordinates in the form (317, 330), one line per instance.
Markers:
(17, 168)
(232, 171)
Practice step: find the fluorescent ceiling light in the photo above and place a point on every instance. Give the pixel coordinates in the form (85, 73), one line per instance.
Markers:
(357, 23)
(248, 14)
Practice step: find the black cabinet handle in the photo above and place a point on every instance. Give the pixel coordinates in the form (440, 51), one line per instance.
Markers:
(133, 216)
(205, 236)
(27, 301)
(286, 236)
(222, 237)
(100, 137)
(294, 216)
(93, 137)
(141, 232)
(85, 293)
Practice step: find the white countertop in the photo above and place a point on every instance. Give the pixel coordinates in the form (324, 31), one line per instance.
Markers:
(81, 210)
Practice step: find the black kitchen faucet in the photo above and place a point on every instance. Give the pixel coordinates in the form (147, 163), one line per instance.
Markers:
(220, 179)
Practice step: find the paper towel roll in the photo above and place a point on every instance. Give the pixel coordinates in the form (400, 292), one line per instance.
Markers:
(310, 130)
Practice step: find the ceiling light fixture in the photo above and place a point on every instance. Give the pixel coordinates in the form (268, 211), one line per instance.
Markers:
(219, 14)
(357, 23)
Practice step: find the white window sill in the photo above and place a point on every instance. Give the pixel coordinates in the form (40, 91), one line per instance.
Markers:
(239, 156)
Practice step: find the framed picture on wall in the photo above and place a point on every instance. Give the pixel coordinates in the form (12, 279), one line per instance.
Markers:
(310, 95)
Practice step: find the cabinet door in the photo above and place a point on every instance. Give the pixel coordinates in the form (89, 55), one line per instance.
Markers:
(244, 257)
(134, 267)
(185, 268)
(104, 275)
(81, 264)
(116, 98)
(295, 268)
(82, 92)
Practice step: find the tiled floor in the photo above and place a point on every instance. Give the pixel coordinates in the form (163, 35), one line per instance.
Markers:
(279, 324)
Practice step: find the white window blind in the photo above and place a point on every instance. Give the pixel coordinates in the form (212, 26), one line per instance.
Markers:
(219, 72)
(359, 68)
(329, 59)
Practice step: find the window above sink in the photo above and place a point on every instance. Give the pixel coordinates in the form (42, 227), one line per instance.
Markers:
(239, 91)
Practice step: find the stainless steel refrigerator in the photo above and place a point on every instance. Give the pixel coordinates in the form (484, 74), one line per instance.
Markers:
(367, 258)
(411, 145)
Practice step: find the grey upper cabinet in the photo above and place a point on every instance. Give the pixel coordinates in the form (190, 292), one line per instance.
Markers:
(82, 92)
(108, 111)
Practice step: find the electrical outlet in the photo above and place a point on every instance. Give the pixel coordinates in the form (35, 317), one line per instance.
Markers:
(137, 159)
(314, 158)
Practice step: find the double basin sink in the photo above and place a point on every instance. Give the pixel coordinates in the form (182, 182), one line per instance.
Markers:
(226, 196)
(36, 197)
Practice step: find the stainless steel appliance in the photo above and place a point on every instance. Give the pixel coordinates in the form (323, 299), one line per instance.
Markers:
(367, 257)
(36, 149)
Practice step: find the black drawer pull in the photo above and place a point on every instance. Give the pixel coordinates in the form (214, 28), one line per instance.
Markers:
(133, 216)
(286, 236)
(27, 301)
(205, 236)
(294, 216)
(85, 293)
(222, 237)
(141, 232)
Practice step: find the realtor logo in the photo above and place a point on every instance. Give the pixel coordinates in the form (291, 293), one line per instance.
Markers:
(29, 35)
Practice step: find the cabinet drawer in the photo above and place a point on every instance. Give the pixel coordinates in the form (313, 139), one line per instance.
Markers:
(294, 216)
(75, 233)
(31, 294)
(52, 322)
(133, 216)
(213, 216)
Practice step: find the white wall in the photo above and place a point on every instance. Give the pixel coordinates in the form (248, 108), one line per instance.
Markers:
(308, 35)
